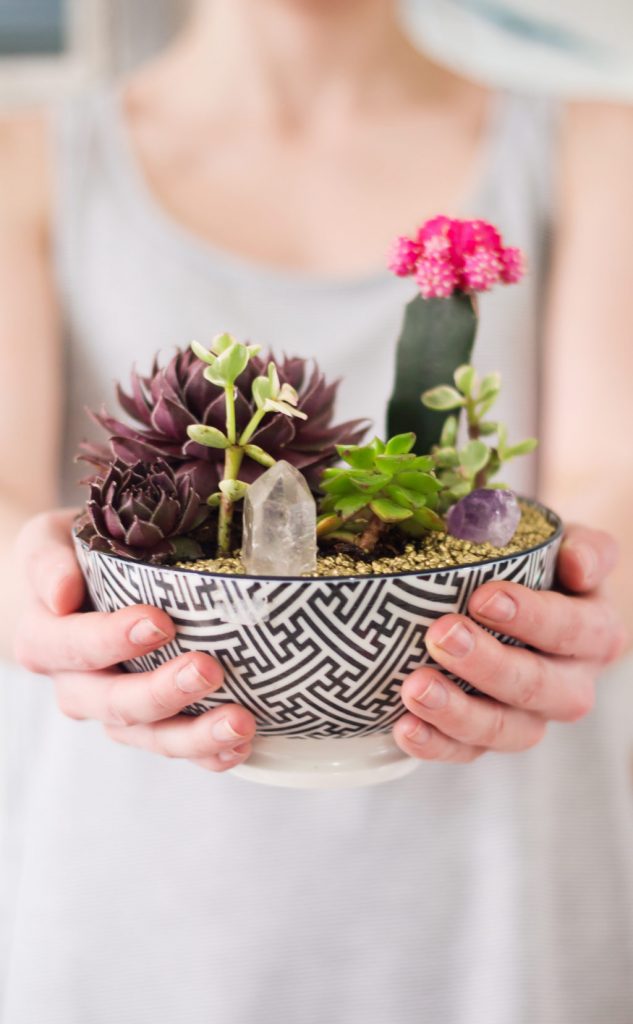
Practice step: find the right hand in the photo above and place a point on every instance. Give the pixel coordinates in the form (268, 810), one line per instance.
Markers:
(80, 652)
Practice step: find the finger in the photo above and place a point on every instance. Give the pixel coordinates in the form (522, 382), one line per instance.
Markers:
(224, 731)
(89, 641)
(120, 698)
(420, 740)
(46, 551)
(571, 626)
(586, 558)
(475, 722)
(559, 688)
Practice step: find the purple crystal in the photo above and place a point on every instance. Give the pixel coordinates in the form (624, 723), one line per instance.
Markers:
(484, 516)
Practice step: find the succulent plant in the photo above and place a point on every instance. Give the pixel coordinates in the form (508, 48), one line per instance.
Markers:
(143, 511)
(462, 470)
(164, 404)
(386, 484)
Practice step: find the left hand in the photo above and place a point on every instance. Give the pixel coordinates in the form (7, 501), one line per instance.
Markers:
(572, 637)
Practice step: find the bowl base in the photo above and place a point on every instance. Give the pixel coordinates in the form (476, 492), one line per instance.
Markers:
(325, 764)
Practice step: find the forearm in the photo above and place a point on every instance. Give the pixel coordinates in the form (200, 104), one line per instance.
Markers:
(605, 506)
(12, 518)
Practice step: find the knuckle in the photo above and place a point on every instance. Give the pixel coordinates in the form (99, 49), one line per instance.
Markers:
(582, 701)
(116, 712)
(24, 655)
(67, 702)
(535, 734)
(566, 637)
(495, 665)
(493, 731)
(531, 684)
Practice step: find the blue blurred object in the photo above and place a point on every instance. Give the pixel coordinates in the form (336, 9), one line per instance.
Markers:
(32, 27)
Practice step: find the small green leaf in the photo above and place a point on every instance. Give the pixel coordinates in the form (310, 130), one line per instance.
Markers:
(261, 391)
(474, 456)
(378, 446)
(404, 497)
(210, 437)
(421, 483)
(423, 463)
(214, 500)
(232, 361)
(350, 504)
(234, 490)
(524, 448)
(392, 463)
(446, 457)
(448, 437)
(429, 519)
(485, 429)
(271, 405)
(389, 512)
(502, 439)
(490, 387)
(368, 482)
(259, 455)
(327, 523)
(355, 456)
(202, 353)
(443, 398)
(460, 489)
(401, 444)
(465, 378)
(222, 342)
(340, 484)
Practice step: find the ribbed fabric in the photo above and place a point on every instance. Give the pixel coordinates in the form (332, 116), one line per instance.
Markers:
(145, 891)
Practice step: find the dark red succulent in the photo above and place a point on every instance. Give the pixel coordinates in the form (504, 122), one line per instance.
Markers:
(172, 398)
(144, 511)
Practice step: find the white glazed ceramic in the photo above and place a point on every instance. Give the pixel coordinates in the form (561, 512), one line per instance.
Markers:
(319, 661)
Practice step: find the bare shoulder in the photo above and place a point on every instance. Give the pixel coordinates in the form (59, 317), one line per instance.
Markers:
(25, 168)
(597, 151)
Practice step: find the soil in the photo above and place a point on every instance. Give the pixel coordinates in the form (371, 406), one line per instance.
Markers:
(398, 553)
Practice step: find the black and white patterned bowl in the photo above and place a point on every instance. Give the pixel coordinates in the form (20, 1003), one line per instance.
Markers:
(311, 658)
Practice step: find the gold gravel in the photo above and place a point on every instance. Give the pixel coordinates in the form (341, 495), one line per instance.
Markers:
(434, 551)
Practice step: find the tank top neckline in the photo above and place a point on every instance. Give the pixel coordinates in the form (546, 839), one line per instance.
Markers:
(168, 232)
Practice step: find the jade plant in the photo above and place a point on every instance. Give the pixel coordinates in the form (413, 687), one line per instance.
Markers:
(201, 429)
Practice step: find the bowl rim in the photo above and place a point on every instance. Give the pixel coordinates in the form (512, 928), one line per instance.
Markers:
(550, 515)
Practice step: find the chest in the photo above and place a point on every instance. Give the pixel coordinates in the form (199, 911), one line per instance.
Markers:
(321, 201)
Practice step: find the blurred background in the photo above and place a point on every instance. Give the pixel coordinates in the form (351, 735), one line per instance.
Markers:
(571, 47)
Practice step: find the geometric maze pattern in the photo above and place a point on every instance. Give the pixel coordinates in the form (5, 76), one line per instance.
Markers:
(309, 657)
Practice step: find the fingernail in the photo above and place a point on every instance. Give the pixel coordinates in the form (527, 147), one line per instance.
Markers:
(145, 634)
(458, 642)
(499, 607)
(421, 734)
(189, 680)
(586, 558)
(232, 755)
(435, 696)
(224, 732)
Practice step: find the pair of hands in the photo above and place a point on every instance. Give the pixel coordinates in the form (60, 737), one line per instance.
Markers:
(572, 637)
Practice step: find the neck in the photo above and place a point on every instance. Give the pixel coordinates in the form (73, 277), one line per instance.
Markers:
(288, 59)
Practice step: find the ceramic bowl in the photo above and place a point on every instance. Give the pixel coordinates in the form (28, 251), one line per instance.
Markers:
(319, 661)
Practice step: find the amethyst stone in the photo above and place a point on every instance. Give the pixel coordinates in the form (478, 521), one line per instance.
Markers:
(484, 516)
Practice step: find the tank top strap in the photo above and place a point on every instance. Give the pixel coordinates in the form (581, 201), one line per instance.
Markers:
(524, 153)
(79, 141)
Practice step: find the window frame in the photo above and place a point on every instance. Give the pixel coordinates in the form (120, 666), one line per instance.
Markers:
(26, 79)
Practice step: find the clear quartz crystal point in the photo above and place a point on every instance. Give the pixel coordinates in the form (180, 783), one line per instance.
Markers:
(279, 536)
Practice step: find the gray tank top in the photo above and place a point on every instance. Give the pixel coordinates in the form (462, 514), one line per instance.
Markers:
(143, 889)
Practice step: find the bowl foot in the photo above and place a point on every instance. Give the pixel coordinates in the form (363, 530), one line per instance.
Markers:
(325, 764)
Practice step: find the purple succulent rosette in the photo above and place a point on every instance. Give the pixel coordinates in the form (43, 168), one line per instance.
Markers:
(172, 398)
(143, 511)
